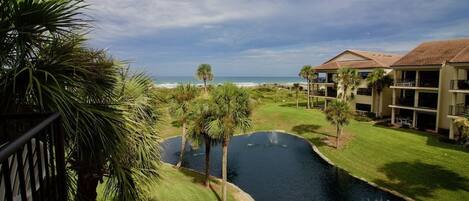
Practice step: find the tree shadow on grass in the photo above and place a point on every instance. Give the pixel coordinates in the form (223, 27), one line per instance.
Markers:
(318, 141)
(198, 178)
(419, 180)
(433, 139)
(309, 128)
(301, 105)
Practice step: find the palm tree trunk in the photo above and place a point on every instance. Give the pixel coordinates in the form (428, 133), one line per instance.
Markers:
(183, 145)
(205, 85)
(297, 101)
(310, 97)
(308, 87)
(224, 167)
(88, 180)
(379, 104)
(338, 136)
(208, 145)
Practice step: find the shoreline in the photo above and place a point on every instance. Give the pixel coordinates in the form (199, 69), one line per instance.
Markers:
(239, 84)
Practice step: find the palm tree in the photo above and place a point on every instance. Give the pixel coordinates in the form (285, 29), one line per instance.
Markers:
(182, 98)
(200, 117)
(232, 112)
(204, 73)
(338, 114)
(44, 67)
(306, 73)
(137, 157)
(348, 79)
(378, 80)
(462, 123)
(296, 87)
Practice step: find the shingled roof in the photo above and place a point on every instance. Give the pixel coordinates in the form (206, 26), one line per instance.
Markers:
(370, 60)
(436, 53)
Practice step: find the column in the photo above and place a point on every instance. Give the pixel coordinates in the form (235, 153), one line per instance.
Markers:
(451, 130)
(393, 110)
(417, 78)
(393, 116)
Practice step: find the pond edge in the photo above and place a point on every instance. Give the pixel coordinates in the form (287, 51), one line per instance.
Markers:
(243, 194)
(315, 149)
(323, 157)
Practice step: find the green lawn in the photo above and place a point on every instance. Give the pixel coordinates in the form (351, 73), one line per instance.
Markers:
(413, 163)
(182, 185)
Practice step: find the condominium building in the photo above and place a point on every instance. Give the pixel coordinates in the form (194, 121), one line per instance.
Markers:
(431, 86)
(365, 99)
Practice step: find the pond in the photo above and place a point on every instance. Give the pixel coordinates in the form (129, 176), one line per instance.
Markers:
(274, 166)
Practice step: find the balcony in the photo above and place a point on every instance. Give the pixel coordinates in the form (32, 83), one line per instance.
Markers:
(459, 110)
(459, 85)
(428, 83)
(32, 163)
(405, 83)
(319, 93)
(414, 83)
(428, 100)
(331, 92)
(409, 102)
(404, 121)
(320, 80)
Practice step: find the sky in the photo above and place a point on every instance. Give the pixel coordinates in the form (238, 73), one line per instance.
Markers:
(264, 37)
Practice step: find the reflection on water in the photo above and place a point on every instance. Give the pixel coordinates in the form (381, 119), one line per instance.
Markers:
(276, 166)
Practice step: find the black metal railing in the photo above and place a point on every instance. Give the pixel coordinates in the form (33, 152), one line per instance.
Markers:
(430, 83)
(428, 100)
(459, 84)
(405, 83)
(331, 93)
(320, 80)
(32, 157)
(319, 93)
(459, 110)
(406, 102)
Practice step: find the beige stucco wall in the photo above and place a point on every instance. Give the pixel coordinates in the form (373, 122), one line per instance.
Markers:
(447, 73)
(387, 100)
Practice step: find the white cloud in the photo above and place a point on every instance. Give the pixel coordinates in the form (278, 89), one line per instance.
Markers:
(136, 17)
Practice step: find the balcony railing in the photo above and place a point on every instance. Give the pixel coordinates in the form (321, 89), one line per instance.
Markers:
(429, 83)
(406, 102)
(319, 93)
(405, 83)
(32, 163)
(459, 110)
(332, 93)
(320, 80)
(414, 83)
(459, 84)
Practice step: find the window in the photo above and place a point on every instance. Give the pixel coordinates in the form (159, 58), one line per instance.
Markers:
(363, 107)
(364, 75)
(364, 91)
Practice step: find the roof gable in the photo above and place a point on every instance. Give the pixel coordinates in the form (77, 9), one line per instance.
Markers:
(359, 59)
(436, 53)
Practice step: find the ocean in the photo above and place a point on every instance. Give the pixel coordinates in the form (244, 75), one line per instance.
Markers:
(173, 81)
